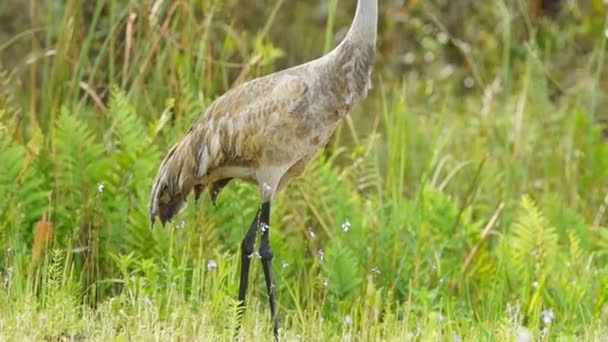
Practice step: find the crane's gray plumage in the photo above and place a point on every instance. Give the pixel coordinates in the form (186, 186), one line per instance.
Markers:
(268, 129)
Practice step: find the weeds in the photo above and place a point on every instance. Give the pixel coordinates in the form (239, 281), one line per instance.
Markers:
(465, 199)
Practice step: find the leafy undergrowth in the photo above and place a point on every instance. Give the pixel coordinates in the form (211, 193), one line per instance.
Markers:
(466, 204)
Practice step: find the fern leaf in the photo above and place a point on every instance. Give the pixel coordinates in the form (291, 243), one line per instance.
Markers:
(341, 267)
(534, 244)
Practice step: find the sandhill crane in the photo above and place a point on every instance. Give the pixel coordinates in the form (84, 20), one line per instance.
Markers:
(265, 131)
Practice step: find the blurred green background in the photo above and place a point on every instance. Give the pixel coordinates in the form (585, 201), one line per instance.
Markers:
(465, 199)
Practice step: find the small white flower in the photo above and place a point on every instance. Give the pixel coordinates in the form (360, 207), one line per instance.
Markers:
(321, 255)
(310, 233)
(100, 187)
(446, 71)
(375, 270)
(181, 224)
(348, 319)
(409, 58)
(346, 226)
(325, 283)
(547, 316)
(469, 82)
(284, 264)
(211, 265)
(534, 284)
(523, 334)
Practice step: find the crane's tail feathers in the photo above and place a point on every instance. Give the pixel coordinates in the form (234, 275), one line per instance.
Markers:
(176, 178)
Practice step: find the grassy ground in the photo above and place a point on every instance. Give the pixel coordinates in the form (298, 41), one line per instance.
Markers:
(465, 199)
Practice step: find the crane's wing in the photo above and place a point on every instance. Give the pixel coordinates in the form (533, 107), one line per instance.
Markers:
(231, 131)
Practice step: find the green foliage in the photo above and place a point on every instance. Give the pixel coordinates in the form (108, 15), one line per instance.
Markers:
(531, 254)
(341, 269)
(465, 199)
(533, 245)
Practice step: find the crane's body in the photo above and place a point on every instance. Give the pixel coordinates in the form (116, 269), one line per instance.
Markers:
(267, 130)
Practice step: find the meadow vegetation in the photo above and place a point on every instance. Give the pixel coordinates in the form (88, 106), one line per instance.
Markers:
(466, 199)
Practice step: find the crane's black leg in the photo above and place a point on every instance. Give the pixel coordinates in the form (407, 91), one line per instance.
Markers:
(246, 254)
(266, 254)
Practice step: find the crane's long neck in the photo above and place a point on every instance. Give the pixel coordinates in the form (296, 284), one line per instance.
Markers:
(352, 61)
(364, 28)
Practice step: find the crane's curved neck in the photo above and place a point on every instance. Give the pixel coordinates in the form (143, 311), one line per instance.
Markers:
(364, 28)
(348, 67)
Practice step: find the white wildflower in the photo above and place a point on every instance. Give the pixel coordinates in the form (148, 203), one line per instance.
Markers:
(211, 265)
(409, 58)
(469, 82)
(346, 226)
(523, 334)
(547, 316)
(310, 233)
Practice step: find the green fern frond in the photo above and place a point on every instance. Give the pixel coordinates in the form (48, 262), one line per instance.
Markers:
(23, 193)
(533, 246)
(364, 171)
(341, 267)
(54, 275)
(80, 161)
(127, 127)
(10, 169)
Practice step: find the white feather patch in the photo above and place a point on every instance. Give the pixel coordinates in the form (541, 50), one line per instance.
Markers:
(203, 161)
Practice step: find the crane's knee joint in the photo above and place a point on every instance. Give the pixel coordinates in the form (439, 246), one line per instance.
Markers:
(266, 253)
(247, 246)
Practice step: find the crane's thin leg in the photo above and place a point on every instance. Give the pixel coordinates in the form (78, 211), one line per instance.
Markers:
(266, 254)
(246, 254)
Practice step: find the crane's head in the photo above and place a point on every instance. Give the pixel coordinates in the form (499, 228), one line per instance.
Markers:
(167, 196)
(164, 204)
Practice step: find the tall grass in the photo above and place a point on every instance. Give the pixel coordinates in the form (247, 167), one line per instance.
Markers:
(465, 199)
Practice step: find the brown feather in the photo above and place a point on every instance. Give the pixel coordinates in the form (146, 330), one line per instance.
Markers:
(265, 130)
